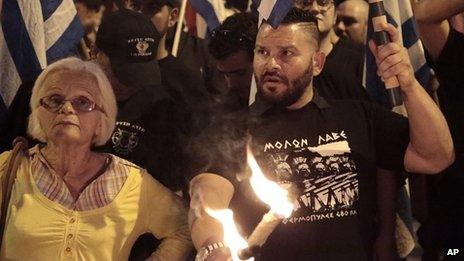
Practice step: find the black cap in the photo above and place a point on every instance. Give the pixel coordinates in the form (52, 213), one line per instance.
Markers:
(130, 41)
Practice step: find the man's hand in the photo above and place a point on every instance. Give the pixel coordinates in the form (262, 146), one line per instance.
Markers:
(393, 60)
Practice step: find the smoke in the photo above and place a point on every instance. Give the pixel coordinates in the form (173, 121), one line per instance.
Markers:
(219, 138)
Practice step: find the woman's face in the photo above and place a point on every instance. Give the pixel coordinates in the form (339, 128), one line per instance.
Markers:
(65, 122)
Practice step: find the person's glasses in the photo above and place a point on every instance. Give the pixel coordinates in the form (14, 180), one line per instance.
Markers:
(232, 36)
(53, 103)
(307, 3)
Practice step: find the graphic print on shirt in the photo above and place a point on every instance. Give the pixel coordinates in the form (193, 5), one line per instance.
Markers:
(126, 137)
(324, 175)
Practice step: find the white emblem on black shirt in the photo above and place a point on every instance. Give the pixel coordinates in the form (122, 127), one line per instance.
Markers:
(125, 137)
(325, 175)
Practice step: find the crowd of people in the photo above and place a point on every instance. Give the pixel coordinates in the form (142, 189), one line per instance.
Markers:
(129, 145)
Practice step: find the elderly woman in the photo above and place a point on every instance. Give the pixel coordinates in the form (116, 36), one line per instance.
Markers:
(69, 202)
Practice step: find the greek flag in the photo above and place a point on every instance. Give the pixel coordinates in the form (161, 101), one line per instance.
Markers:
(399, 14)
(272, 11)
(34, 33)
(210, 14)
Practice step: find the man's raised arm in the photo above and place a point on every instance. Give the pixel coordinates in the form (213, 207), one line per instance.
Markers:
(430, 149)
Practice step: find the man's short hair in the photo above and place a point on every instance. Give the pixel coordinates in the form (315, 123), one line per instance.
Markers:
(237, 33)
(306, 19)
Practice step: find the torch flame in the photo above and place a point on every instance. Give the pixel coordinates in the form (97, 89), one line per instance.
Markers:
(268, 191)
(232, 238)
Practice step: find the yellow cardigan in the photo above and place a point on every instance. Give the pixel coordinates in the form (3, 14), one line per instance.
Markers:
(40, 229)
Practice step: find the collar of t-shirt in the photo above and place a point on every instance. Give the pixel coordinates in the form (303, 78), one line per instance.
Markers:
(259, 107)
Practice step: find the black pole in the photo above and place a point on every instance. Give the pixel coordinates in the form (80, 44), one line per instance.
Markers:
(381, 38)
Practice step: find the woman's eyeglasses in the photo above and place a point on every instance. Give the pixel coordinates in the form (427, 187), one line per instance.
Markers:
(53, 103)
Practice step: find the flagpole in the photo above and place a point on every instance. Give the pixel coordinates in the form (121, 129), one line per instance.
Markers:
(381, 37)
(180, 22)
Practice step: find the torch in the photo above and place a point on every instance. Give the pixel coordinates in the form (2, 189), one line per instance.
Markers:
(280, 207)
(381, 38)
(275, 197)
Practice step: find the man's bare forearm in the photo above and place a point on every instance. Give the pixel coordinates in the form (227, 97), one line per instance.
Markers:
(431, 17)
(431, 145)
(436, 11)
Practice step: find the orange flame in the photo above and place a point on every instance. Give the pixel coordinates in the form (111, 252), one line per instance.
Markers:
(268, 191)
(232, 238)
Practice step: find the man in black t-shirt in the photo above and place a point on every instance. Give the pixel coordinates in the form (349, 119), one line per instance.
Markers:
(326, 151)
(147, 123)
(446, 48)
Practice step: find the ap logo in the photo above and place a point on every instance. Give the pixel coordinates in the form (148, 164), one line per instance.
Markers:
(452, 252)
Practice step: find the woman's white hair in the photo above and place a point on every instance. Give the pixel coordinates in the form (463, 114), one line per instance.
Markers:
(108, 118)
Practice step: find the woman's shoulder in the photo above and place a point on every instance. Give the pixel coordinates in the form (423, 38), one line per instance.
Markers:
(120, 164)
(132, 169)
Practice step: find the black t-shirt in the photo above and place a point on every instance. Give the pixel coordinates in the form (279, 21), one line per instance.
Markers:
(450, 73)
(341, 77)
(328, 154)
(146, 134)
(444, 227)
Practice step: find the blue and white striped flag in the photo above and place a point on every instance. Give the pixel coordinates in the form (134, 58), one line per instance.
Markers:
(399, 14)
(34, 33)
(273, 11)
(210, 15)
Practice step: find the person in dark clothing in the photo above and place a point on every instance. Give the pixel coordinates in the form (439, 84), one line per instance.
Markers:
(192, 51)
(443, 229)
(149, 124)
(232, 46)
(147, 121)
(328, 151)
(182, 83)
